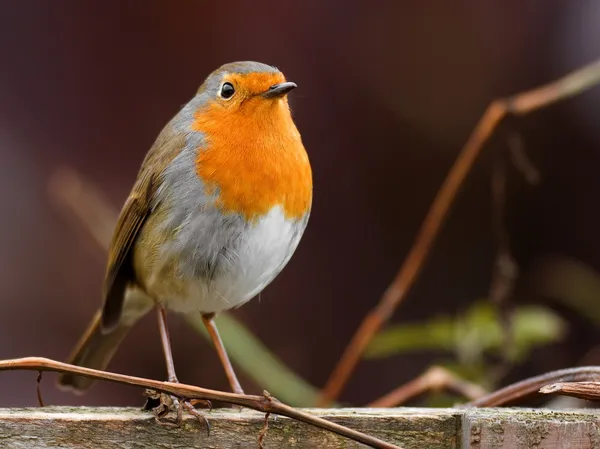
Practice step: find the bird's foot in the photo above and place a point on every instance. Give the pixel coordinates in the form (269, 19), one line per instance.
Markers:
(161, 404)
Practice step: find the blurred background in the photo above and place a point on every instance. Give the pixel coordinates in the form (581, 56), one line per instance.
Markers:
(388, 94)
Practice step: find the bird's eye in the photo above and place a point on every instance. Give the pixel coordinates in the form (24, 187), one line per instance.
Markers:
(227, 91)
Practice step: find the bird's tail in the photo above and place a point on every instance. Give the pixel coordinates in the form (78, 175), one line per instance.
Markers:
(94, 350)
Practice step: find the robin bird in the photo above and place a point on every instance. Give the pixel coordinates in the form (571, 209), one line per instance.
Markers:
(218, 208)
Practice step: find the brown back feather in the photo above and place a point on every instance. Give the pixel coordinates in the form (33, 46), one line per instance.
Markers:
(120, 272)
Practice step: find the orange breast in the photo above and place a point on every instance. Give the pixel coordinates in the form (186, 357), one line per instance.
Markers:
(254, 158)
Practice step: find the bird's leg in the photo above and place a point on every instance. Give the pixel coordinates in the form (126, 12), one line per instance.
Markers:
(172, 377)
(211, 327)
(166, 343)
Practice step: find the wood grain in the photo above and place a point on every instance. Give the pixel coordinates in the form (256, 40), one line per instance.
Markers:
(83, 428)
(410, 428)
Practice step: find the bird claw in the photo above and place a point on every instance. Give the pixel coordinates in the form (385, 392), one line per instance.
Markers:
(204, 403)
(161, 404)
(199, 416)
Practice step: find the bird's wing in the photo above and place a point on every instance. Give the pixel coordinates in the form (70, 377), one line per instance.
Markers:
(139, 204)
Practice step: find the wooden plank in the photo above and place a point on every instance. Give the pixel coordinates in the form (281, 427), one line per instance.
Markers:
(120, 428)
(410, 428)
(498, 428)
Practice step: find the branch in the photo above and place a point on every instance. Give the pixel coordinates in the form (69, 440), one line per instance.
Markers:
(436, 378)
(531, 387)
(520, 104)
(265, 403)
(590, 391)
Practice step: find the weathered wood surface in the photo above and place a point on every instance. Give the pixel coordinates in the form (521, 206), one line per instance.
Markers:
(410, 428)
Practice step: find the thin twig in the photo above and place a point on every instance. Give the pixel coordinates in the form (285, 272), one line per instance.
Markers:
(263, 431)
(520, 159)
(531, 387)
(506, 270)
(38, 389)
(264, 404)
(520, 104)
(435, 378)
(590, 391)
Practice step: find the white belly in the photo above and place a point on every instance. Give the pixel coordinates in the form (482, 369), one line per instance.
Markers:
(245, 268)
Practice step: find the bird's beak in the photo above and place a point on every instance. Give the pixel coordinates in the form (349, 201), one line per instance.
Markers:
(279, 90)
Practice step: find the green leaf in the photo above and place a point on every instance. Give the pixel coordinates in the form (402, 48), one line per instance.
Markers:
(473, 334)
(435, 334)
(476, 331)
(535, 326)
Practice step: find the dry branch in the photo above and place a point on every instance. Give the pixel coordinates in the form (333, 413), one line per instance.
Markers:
(520, 104)
(590, 391)
(265, 403)
(436, 378)
(531, 387)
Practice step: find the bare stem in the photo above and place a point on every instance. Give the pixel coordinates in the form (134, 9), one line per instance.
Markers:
(590, 391)
(435, 378)
(265, 404)
(531, 387)
(572, 84)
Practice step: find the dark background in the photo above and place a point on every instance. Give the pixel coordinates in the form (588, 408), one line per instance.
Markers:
(388, 94)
